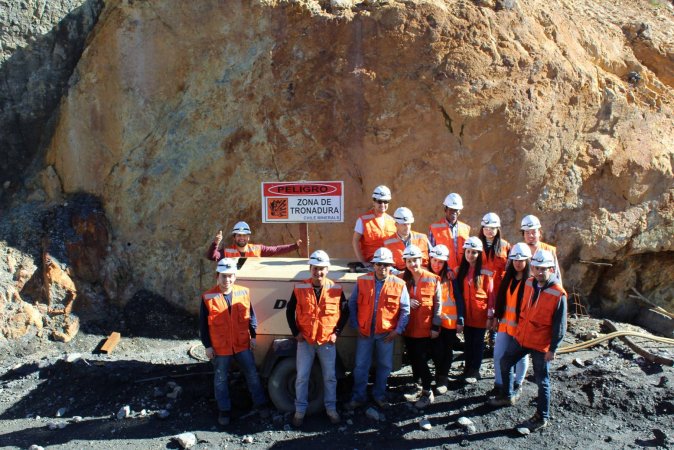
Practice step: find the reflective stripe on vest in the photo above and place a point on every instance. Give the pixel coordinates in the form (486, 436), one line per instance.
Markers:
(251, 251)
(508, 323)
(421, 318)
(534, 329)
(442, 235)
(388, 306)
(397, 247)
(475, 298)
(375, 234)
(448, 313)
(317, 318)
(228, 325)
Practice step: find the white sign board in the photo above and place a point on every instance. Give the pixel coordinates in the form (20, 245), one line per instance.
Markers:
(303, 201)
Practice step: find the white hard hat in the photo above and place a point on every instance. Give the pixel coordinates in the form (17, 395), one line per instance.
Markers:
(383, 255)
(403, 215)
(530, 223)
(453, 201)
(241, 228)
(411, 252)
(440, 252)
(226, 265)
(520, 252)
(491, 220)
(473, 243)
(543, 258)
(381, 193)
(319, 259)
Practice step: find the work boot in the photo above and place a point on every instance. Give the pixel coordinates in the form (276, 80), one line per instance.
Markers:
(223, 418)
(425, 400)
(441, 385)
(298, 419)
(495, 391)
(333, 415)
(536, 422)
(501, 400)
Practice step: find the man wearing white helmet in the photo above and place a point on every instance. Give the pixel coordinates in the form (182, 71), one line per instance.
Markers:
(242, 248)
(379, 308)
(532, 233)
(373, 227)
(450, 231)
(227, 326)
(316, 312)
(540, 330)
(405, 237)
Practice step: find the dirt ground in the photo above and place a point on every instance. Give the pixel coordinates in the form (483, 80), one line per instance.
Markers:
(606, 397)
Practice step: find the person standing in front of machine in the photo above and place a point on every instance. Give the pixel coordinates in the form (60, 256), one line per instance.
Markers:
(316, 312)
(227, 326)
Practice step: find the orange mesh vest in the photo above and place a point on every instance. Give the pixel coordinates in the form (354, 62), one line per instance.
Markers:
(534, 330)
(475, 298)
(317, 318)
(397, 247)
(508, 324)
(374, 235)
(443, 235)
(497, 263)
(252, 250)
(448, 313)
(228, 326)
(419, 325)
(388, 306)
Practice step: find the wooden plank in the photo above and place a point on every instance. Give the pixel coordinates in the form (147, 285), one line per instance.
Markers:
(111, 342)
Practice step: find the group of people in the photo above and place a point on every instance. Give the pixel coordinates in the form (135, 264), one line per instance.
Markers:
(425, 288)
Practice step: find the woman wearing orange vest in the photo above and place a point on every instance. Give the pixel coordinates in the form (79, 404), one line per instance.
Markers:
(495, 256)
(507, 311)
(476, 286)
(424, 324)
(316, 312)
(227, 329)
(373, 227)
(540, 330)
(404, 237)
(532, 233)
(451, 314)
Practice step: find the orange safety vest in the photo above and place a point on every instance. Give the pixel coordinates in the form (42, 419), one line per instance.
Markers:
(388, 306)
(228, 326)
(508, 323)
(497, 263)
(534, 330)
(317, 319)
(475, 298)
(443, 235)
(252, 251)
(421, 318)
(397, 247)
(448, 313)
(374, 235)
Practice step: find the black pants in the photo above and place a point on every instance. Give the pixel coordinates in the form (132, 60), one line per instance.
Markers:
(442, 352)
(418, 350)
(474, 348)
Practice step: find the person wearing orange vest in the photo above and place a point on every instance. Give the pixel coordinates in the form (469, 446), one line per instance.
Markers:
(495, 257)
(242, 248)
(506, 314)
(532, 233)
(450, 231)
(424, 323)
(373, 227)
(316, 312)
(227, 330)
(540, 330)
(477, 289)
(452, 311)
(379, 309)
(405, 237)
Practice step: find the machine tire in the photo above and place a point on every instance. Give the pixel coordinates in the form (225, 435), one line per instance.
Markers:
(281, 387)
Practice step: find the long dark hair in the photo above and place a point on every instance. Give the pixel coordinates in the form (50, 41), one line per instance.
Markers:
(508, 278)
(496, 244)
(444, 272)
(465, 267)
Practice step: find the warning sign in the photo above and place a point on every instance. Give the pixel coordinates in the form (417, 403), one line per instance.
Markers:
(303, 201)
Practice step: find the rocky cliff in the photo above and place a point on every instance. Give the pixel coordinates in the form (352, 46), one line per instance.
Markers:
(178, 110)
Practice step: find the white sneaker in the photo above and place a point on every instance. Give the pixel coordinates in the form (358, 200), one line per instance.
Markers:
(425, 400)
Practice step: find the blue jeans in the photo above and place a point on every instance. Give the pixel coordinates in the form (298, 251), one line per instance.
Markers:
(365, 346)
(502, 341)
(327, 353)
(474, 349)
(220, 379)
(514, 353)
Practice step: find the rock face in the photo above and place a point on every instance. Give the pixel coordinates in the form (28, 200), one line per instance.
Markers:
(40, 44)
(178, 110)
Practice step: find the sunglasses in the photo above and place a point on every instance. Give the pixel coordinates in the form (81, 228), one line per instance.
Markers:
(382, 202)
